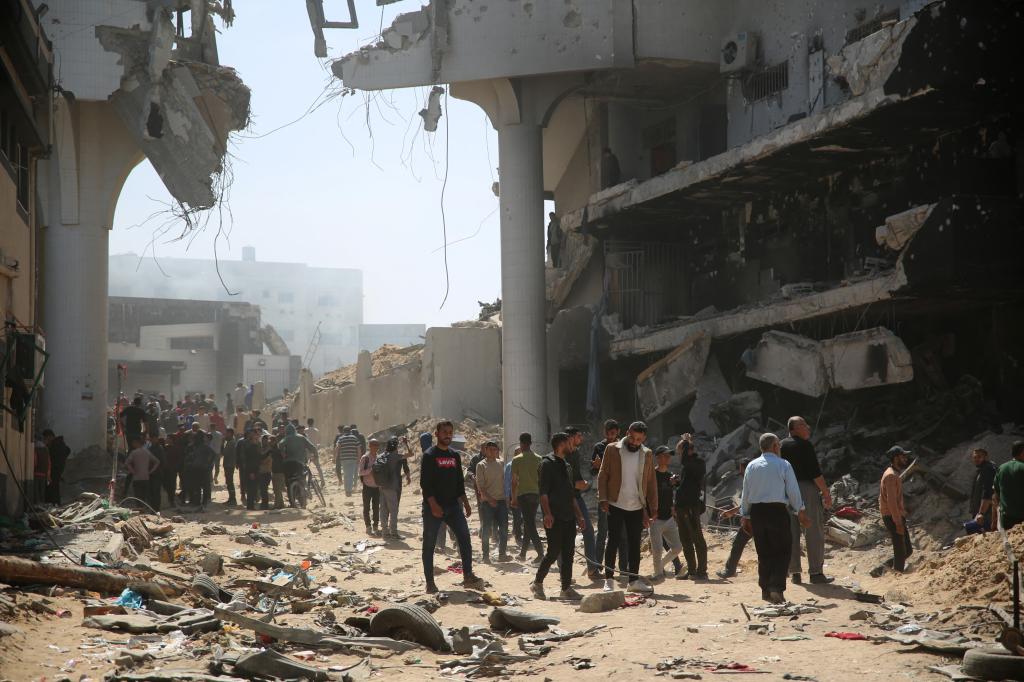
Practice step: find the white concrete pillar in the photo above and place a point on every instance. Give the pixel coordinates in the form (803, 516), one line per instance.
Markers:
(523, 337)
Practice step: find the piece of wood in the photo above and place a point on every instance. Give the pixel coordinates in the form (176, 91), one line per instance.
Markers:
(18, 571)
(311, 637)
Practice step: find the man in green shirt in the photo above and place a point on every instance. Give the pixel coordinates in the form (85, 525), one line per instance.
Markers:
(526, 493)
(1008, 489)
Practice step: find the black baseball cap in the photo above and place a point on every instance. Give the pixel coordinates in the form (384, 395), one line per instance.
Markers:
(897, 450)
(663, 450)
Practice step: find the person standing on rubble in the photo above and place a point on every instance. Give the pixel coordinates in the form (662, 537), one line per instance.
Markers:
(562, 516)
(229, 459)
(628, 492)
(141, 464)
(526, 493)
(890, 504)
(580, 484)
(981, 508)
(250, 454)
(347, 454)
(663, 527)
(690, 505)
(443, 485)
(490, 486)
(742, 537)
(1008, 488)
(387, 471)
(770, 494)
(799, 452)
(371, 493)
(59, 453)
(554, 239)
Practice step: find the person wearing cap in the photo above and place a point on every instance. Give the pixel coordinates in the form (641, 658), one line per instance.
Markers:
(799, 452)
(742, 537)
(890, 504)
(526, 493)
(611, 434)
(770, 494)
(390, 485)
(562, 516)
(1008, 488)
(580, 485)
(371, 493)
(628, 492)
(490, 487)
(663, 526)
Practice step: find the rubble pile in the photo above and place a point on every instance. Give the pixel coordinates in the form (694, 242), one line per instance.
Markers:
(383, 360)
(470, 434)
(977, 569)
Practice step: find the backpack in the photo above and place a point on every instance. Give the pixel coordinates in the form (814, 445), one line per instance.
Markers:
(382, 471)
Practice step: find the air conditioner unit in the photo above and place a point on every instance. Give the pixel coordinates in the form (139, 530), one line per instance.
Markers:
(739, 52)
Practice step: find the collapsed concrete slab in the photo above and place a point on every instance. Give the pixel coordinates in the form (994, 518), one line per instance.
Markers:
(177, 102)
(872, 357)
(899, 228)
(674, 378)
(712, 390)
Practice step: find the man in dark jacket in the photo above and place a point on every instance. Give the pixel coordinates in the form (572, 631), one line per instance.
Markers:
(59, 453)
(443, 485)
(689, 507)
(251, 455)
(981, 492)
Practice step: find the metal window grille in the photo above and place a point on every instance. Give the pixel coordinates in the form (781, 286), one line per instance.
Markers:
(641, 280)
(876, 24)
(767, 82)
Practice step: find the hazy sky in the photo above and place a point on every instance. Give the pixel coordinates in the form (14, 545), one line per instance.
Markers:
(324, 192)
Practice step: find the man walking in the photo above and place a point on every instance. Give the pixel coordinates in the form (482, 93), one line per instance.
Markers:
(490, 487)
(663, 526)
(628, 492)
(387, 472)
(371, 492)
(742, 537)
(443, 484)
(770, 494)
(689, 507)
(980, 506)
(229, 459)
(313, 434)
(251, 455)
(799, 452)
(890, 504)
(526, 493)
(347, 454)
(581, 485)
(562, 517)
(59, 453)
(1008, 489)
(611, 435)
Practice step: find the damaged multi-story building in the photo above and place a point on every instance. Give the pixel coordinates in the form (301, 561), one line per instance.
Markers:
(803, 198)
(90, 89)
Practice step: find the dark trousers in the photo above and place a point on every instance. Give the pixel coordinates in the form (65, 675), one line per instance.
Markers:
(739, 543)
(455, 519)
(200, 486)
(371, 500)
(493, 520)
(770, 522)
(589, 541)
(53, 487)
(169, 478)
(901, 547)
(229, 481)
(695, 548)
(265, 478)
(561, 542)
(252, 490)
(629, 524)
(602, 541)
(140, 490)
(528, 506)
(517, 525)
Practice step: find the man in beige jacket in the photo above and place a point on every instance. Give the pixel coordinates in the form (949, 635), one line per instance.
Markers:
(628, 492)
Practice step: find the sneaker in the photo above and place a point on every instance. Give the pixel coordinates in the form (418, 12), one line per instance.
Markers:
(725, 574)
(537, 590)
(609, 585)
(776, 598)
(797, 579)
(821, 579)
(473, 582)
(370, 531)
(431, 589)
(640, 587)
(699, 576)
(570, 595)
(395, 535)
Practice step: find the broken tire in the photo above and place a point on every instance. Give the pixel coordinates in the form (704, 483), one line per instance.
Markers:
(523, 621)
(204, 585)
(408, 623)
(993, 664)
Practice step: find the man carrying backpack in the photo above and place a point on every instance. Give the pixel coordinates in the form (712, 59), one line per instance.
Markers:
(387, 473)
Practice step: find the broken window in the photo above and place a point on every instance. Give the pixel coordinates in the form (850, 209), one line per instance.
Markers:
(645, 285)
(769, 81)
(876, 24)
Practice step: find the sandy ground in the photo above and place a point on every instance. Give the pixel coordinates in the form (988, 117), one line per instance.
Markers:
(683, 619)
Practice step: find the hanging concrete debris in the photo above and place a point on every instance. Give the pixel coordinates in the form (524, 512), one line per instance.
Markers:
(674, 378)
(176, 100)
(272, 340)
(873, 357)
(432, 113)
(899, 228)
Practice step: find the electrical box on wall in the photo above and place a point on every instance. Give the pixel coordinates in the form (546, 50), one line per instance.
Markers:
(739, 52)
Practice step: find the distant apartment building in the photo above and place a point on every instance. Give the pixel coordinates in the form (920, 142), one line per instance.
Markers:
(293, 297)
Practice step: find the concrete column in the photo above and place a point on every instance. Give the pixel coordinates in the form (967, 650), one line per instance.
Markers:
(523, 338)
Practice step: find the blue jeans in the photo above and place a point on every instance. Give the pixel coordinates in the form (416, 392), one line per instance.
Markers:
(494, 520)
(602, 537)
(455, 519)
(348, 466)
(589, 542)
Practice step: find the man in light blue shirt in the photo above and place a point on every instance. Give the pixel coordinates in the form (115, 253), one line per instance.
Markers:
(770, 494)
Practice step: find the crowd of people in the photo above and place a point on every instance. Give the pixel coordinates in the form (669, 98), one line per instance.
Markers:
(784, 496)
